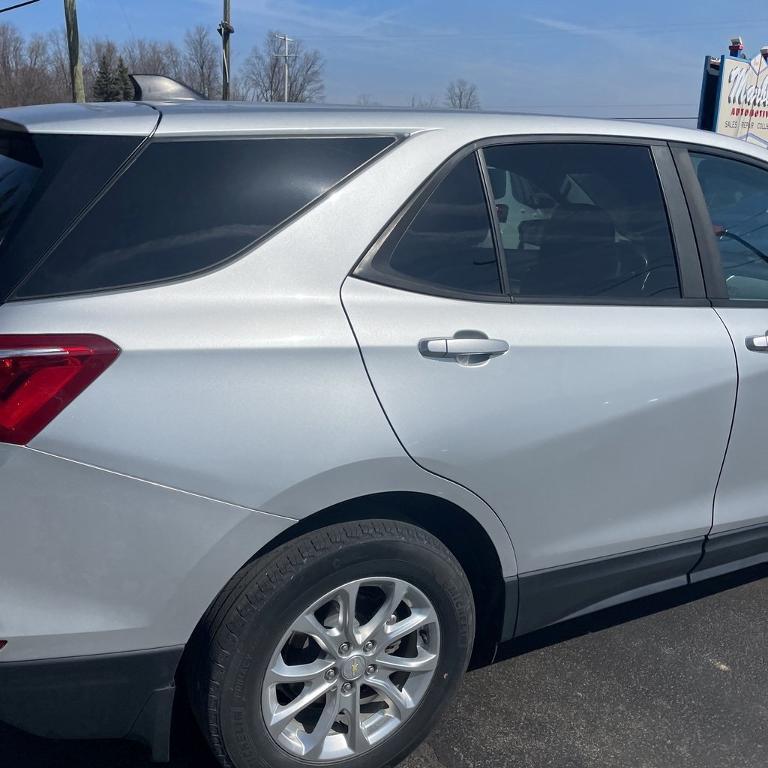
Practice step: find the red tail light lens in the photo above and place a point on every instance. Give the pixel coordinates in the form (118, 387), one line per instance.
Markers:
(40, 375)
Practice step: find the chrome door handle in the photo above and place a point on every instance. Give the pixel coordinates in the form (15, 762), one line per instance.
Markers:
(489, 347)
(468, 350)
(758, 343)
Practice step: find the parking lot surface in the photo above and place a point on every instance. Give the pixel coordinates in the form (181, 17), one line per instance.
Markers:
(663, 683)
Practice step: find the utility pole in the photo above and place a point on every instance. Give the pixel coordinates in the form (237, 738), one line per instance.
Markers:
(226, 30)
(73, 39)
(285, 56)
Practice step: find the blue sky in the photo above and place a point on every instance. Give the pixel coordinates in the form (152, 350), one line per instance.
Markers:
(592, 57)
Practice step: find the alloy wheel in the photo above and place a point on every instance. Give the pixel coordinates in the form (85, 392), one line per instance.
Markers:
(351, 669)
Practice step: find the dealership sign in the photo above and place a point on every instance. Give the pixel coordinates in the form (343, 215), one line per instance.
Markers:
(741, 109)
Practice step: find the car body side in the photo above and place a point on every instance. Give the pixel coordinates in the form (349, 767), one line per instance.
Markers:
(238, 409)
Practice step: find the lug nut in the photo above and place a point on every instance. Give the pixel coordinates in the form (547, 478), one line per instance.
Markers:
(346, 688)
(369, 646)
(344, 648)
(371, 670)
(330, 675)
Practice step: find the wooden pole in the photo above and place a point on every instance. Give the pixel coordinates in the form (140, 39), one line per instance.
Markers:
(73, 40)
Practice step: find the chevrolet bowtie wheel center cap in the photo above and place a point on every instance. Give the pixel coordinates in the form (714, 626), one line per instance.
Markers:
(353, 668)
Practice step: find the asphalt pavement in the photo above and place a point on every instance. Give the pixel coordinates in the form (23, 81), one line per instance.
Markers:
(667, 682)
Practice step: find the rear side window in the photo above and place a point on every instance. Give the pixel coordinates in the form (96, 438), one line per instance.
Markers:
(46, 181)
(448, 244)
(185, 206)
(582, 220)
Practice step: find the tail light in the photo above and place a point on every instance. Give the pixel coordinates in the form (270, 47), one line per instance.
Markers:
(40, 375)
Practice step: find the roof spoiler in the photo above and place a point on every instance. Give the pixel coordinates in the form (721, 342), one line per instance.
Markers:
(162, 88)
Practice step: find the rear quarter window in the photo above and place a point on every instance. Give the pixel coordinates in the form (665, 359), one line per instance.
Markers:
(46, 182)
(188, 205)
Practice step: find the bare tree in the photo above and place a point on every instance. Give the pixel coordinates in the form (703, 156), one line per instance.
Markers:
(264, 73)
(366, 100)
(25, 70)
(462, 95)
(201, 62)
(59, 63)
(417, 102)
(36, 70)
(153, 57)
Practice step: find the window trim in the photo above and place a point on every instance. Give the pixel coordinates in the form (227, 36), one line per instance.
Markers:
(498, 243)
(152, 139)
(393, 231)
(681, 230)
(709, 252)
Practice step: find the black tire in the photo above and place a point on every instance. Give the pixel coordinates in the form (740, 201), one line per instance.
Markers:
(241, 630)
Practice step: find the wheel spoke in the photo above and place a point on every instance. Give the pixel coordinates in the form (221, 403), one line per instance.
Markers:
(419, 618)
(282, 715)
(314, 741)
(356, 738)
(397, 592)
(309, 625)
(400, 700)
(297, 673)
(424, 662)
(348, 601)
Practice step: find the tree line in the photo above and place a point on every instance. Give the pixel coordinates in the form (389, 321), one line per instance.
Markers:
(35, 70)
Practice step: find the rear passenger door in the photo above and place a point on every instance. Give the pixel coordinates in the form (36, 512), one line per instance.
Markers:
(570, 373)
(729, 193)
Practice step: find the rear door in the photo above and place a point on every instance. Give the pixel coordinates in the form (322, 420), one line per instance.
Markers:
(572, 376)
(729, 194)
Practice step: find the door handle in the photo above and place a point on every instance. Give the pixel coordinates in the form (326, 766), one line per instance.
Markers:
(464, 349)
(758, 343)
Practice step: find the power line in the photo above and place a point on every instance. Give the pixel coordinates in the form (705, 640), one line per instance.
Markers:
(605, 106)
(18, 5)
(655, 117)
(127, 20)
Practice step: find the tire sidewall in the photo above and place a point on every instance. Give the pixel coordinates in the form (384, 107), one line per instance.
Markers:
(242, 728)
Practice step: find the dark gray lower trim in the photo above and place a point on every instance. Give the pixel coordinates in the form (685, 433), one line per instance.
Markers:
(509, 623)
(556, 594)
(732, 551)
(121, 695)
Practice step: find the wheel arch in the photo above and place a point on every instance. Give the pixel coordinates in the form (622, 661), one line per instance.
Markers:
(461, 532)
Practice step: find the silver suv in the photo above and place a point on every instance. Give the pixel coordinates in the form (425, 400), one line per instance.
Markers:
(300, 406)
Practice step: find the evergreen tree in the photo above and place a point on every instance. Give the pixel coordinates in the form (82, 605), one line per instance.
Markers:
(124, 81)
(106, 87)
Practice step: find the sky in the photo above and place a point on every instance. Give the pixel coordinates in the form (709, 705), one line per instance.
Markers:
(587, 57)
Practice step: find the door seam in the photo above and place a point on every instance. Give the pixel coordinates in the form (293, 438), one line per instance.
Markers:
(725, 453)
(397, 437)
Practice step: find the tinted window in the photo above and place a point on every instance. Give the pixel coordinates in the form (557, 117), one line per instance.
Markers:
(582, 220)
(188, 205)
(45, 182)
(20, 168)
(448, 244)
(737, 198)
